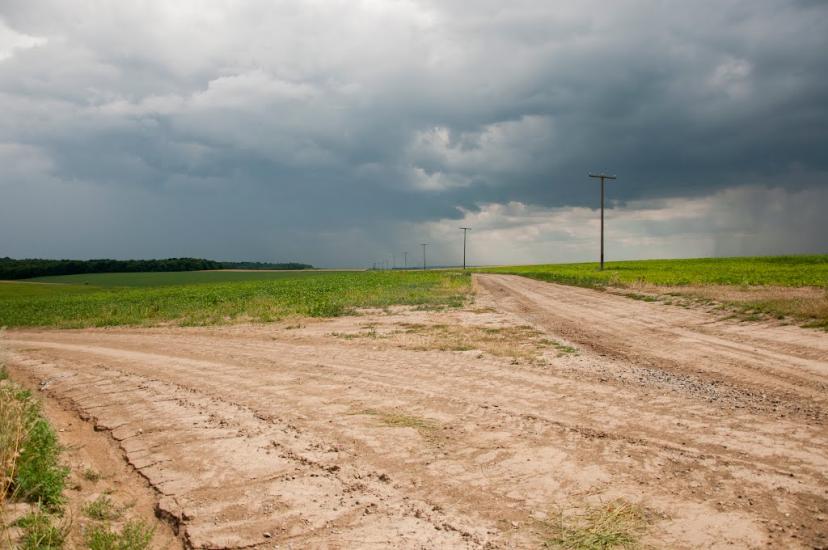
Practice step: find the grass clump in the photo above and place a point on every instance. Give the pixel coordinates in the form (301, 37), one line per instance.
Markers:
(102, 509)
(617, 524)
(91, 475)
(135, 535)
(563, 349)
(29, 451)
(42, 531)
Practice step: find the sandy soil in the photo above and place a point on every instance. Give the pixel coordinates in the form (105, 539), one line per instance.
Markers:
(389, 429)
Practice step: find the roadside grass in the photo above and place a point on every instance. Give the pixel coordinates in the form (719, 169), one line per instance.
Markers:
(807, 305)
(311, 294)
(753, 288)
(31, 473)
(134, 535)
(29, 451)
(616, 524)
(30, 470)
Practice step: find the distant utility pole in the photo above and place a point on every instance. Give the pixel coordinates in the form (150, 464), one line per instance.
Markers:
(465, 230)
(393, 261)
(405, 262)
(602, 178)
(424, 245)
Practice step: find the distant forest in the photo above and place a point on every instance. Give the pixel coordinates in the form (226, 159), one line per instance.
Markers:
(25, 269)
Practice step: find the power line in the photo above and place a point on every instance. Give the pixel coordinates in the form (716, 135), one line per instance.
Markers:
(602, 178)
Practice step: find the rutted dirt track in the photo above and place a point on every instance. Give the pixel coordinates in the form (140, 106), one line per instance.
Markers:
(273, 435)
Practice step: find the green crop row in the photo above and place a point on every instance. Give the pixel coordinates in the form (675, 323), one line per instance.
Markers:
(306, 294)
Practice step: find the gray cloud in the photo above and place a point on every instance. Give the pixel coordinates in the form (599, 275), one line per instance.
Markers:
(332, 132)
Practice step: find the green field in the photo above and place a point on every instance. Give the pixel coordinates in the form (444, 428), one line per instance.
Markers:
(258, 296)
(161, 278)
(208, 297)
(780, 287)
(789, 271)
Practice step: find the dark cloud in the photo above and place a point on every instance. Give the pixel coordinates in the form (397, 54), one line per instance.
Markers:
(329, 131)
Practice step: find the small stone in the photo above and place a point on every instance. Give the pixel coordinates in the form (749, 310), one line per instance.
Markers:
(266, 535)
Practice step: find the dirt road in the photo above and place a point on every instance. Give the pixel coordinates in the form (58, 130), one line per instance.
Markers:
(389, 430)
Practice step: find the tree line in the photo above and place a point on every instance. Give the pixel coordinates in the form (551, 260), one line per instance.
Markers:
(27, 268)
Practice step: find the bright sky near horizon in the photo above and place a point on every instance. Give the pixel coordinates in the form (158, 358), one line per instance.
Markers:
(341, 133)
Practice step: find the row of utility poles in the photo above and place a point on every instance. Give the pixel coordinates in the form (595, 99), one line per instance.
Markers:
(602, 177)
(384, 263)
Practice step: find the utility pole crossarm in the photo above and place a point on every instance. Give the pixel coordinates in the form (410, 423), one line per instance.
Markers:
(602, 177)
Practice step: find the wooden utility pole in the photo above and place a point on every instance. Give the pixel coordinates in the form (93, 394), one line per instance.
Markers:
(465, 230)
(602, 177)
(405, 261)
(424, 245)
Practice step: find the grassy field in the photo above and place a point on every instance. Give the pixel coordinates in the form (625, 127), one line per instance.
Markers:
(789, 271)
(752, 288)
(257, 296)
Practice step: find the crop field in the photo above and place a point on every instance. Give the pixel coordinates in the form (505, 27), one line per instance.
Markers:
(251, 296)
(787, 271)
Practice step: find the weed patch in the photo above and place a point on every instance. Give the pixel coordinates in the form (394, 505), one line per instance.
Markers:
(42, 531)
(91, 475)
(428, 429)
(135, 535)
(102, 509)
(515, 342)
(617, 524)
(29, 451)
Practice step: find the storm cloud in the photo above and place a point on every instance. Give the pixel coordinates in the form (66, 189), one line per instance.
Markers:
(340, 133)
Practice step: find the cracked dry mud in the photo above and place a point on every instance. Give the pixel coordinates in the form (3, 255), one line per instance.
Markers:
(273, 436)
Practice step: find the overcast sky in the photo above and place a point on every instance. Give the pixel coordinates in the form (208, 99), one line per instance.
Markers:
(344, 132)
